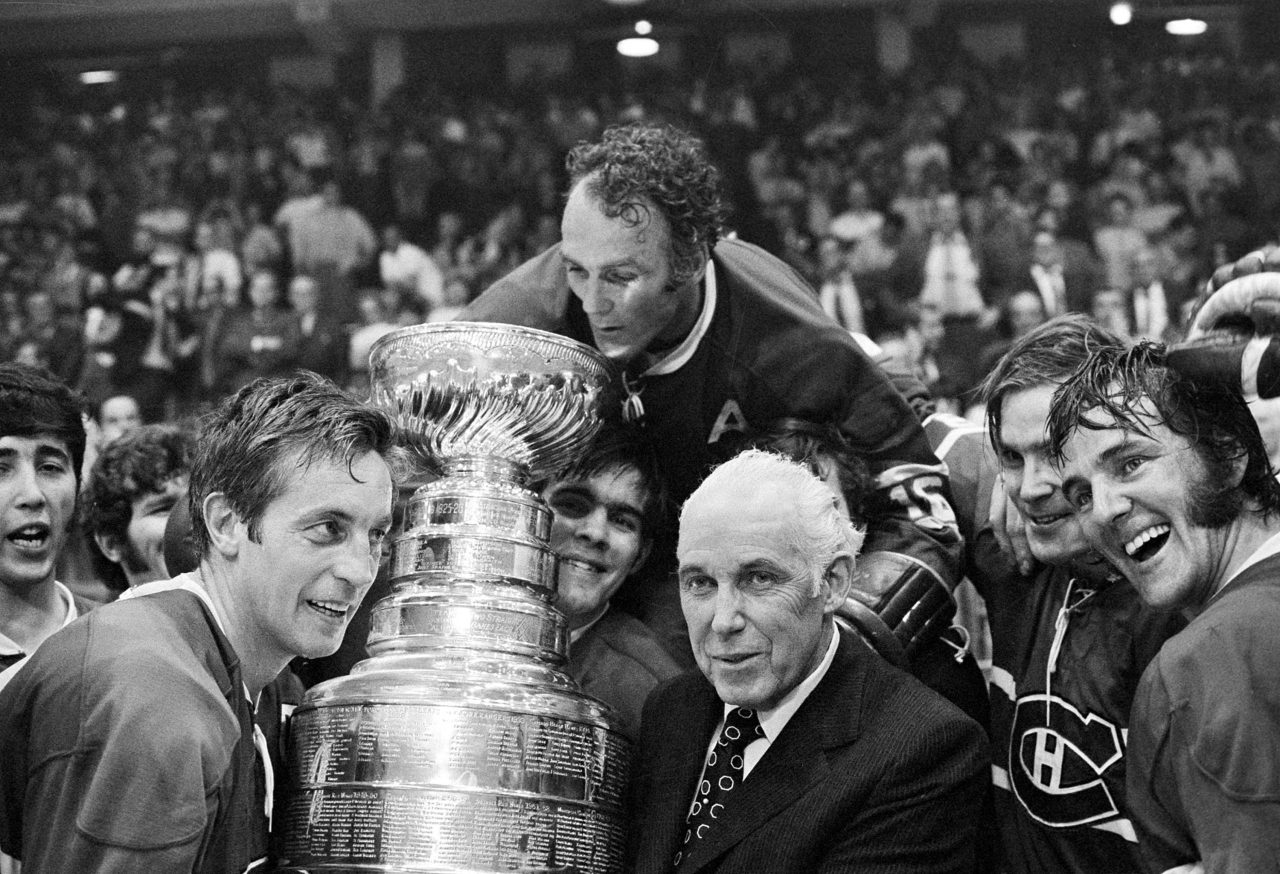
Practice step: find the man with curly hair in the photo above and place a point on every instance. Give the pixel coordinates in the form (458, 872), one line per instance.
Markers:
(715, 339)
(135, 482)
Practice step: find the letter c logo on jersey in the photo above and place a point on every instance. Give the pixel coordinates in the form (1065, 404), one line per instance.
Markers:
(1057, 758)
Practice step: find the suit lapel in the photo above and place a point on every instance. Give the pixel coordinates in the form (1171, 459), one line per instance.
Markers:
(829, 718)
(676, 775)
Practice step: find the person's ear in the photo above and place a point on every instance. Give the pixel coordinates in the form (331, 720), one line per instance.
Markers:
(695, 279)
(222, 523)
(110, 546)
(837, 579)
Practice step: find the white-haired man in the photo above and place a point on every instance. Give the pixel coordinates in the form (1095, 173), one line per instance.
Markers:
(792, 748)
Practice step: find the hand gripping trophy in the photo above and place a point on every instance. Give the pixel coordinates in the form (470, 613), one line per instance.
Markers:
(460, 745)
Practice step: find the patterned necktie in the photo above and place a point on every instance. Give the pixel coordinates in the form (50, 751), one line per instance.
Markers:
(721, 776)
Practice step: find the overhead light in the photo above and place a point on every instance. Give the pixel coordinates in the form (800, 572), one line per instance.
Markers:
(1186, 26)
(99, 77)
(644, 28)
(1121, 13)
(637, 47)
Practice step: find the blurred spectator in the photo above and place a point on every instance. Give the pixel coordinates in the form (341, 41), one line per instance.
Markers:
(1206, 161)
(261, 340)
(213, 269)
(1164, 204)
(168, 218)
(118, 414)
(1117, 241)
(66, 277)
(1004, 244)
(322, 343)
(837, 292)
(1260, 163)
(858, 221)
(331, 235)
(409, 268)
(375, 322)
(1021, 313)
(49, 340)
(888, 269)
(300, 200)
(951, 289)
(1153, 305)
(457, 294)
(413, 171)
(168, 370)
(449, 240)
(261, 249)
(1111, 310)
(142, 267)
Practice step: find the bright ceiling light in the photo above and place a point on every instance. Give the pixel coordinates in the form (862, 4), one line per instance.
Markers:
(637, 47)
(1186, 26)
(644, 28)
(99, 77)
(1121, 13)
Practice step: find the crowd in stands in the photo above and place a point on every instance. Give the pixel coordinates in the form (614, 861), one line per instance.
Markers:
(172, 246)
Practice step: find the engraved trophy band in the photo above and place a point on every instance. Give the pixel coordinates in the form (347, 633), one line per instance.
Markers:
(462, 745)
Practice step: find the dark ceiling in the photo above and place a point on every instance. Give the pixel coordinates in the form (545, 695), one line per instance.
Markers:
(34, 28)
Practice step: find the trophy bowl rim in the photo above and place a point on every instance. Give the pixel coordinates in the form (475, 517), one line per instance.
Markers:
(463, 329)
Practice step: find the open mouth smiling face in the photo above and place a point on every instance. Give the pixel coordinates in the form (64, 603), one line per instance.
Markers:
(1134, 493)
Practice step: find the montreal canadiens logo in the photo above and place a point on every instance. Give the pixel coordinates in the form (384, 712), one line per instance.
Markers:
(1057, 757)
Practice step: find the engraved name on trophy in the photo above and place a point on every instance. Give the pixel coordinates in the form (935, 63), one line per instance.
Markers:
(460, 745)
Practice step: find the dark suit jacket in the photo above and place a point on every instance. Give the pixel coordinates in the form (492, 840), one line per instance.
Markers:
(874, 773)
(620, 661)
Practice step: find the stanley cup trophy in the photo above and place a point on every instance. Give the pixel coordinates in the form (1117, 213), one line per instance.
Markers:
(460, 744)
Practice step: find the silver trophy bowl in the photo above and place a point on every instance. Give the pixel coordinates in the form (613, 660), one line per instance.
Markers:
(481, 391)
(460, 744)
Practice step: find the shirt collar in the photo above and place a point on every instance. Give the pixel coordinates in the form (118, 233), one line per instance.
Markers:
(1269, 548)
(187, 582)
(677, 357)
(8, 647)
(575, 634)
(776, 718)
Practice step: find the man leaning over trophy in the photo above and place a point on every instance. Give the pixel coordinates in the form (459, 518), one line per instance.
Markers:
(714, 338)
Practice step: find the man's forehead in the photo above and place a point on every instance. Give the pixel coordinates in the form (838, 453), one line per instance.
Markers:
(11, 443)
(638, 220)
(1139, 418)
(620, 483)
(1102, 435)
(735, 510)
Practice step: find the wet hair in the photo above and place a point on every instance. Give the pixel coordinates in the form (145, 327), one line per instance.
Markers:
(255, 442)
(634, 166)
(136, 463)
(810, 444)
(1047, 355)
(620, 446)
(34, 402)
(1214, 419)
